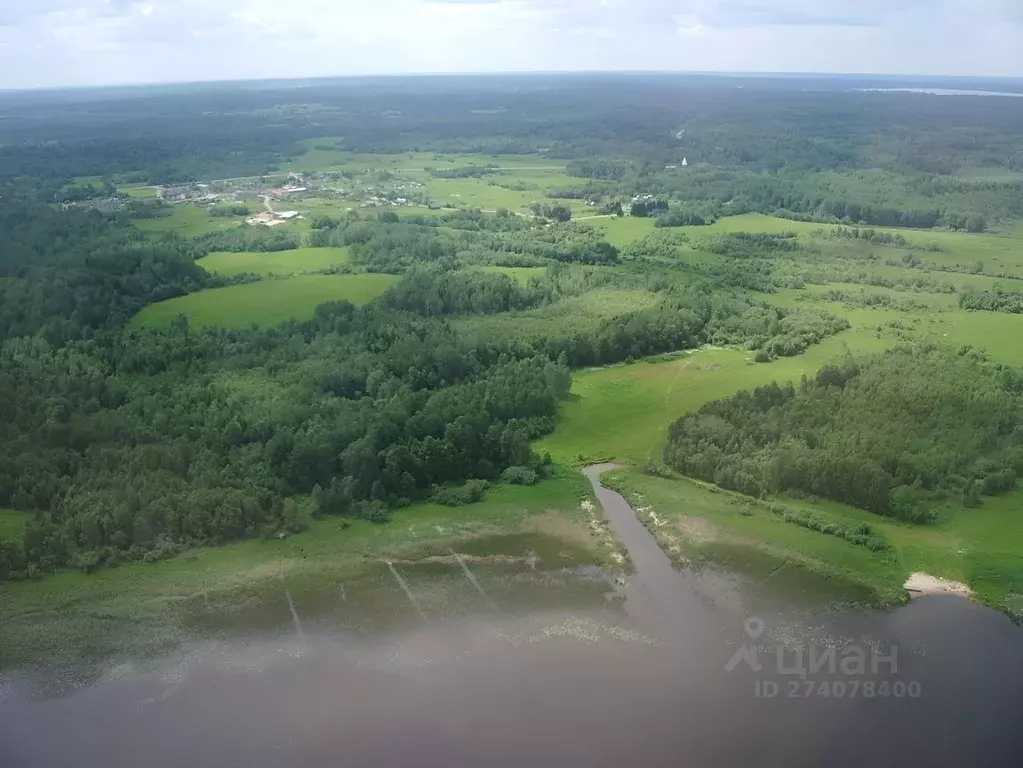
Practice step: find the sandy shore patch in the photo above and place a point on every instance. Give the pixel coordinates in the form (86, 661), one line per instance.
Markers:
(920, 583)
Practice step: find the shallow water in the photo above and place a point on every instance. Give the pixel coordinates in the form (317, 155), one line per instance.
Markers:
(556, 667)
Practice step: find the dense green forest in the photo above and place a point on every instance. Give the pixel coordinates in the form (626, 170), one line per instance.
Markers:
(895, 434)
(128, 445)
(64, 273)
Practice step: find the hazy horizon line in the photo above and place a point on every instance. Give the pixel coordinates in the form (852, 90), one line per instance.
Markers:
(534, 73)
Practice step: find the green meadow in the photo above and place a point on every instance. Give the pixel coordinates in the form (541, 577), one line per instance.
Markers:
(515, 183)
(997, 333)
(489, 194)
(139, 192)
(998, 252)
(622, 412)
(696, 524)
(292, 262)
(265, 303)
(188, 221)
(622, 230)
(521, 275)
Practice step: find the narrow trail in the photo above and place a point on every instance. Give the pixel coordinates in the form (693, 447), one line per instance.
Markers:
(657, 595)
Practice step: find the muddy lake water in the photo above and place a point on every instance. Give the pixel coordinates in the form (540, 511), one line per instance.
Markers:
(519, 665)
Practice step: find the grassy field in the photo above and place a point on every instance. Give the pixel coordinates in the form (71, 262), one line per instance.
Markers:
(188, 221)
(621, 231)
(521, 275)
(278, 263)
(998, 252)
(994, 332)
(138, 192)
(144, 609)
(623, 411)
(517, 181)
(488, 194)
(265, 303)
(697, 522)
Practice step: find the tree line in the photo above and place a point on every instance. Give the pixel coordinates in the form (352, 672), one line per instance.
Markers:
(899, 434)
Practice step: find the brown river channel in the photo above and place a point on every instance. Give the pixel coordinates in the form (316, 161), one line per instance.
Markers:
(667, 668)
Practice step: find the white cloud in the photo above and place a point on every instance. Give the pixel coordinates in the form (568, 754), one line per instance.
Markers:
(56, 42)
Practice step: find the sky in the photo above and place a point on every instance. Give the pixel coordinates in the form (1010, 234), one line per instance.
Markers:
(45, 43)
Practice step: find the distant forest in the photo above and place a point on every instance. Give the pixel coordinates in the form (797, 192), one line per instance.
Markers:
(815, 149)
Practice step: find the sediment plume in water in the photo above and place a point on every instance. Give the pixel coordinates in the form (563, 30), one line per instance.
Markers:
(408, 592)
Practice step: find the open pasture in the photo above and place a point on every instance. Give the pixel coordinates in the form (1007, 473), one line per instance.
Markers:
(265, 303)
(188, 221)
(279, 263)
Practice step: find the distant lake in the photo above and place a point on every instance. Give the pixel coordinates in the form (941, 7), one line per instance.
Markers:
(943, 92)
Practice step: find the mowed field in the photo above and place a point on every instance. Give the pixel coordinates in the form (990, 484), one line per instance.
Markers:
(491, 193)
(265, 303)
(142, 193)
(292, 262)
(188, 221)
